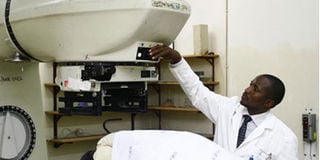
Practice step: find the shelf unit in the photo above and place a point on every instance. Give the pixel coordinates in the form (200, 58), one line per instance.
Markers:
(176, 83)
(157, 109)
(157, 86)
(59, 141)
(172, 108)
(211, 83)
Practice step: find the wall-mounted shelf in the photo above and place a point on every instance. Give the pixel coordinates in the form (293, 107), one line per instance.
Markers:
(50, 85)
(209, 57)
(206, 56)
(58, 141)
(164, 83)
(173, 108)
(176, 83)
(159, 109)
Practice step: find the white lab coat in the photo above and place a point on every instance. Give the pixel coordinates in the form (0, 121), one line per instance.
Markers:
(272, 139)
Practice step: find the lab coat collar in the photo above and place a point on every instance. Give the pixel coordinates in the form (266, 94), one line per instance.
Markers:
(257, 119)
(265, 126)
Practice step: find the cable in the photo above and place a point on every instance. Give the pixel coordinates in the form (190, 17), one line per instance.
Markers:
(104, 125)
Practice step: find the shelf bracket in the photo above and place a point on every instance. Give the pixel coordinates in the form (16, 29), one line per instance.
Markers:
(133, 115)
(210, 60)
(56, 118)
(157, 88)
(57, 145)
(158, 114)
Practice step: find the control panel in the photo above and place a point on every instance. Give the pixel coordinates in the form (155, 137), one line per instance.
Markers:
(309, 127)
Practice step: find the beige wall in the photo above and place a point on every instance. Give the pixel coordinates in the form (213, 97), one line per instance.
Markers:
(280, 38)
(255, 37)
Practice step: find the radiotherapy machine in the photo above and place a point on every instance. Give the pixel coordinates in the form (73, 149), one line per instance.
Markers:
(88, 30)
(100, 54)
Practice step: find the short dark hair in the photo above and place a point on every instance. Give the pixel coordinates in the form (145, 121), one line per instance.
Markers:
(277, 89)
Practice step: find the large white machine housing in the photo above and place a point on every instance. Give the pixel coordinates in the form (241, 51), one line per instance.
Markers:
(87, 30)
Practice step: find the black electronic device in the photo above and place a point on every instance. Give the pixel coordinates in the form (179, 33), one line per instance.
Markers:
(125, 97)
(81, 103)
(116, 96)
(144, 54)
(97, 72)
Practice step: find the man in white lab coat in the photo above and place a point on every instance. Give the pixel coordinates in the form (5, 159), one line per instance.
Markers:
(266, 137)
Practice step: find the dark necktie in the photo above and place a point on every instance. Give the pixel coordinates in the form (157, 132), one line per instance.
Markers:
(243, 129)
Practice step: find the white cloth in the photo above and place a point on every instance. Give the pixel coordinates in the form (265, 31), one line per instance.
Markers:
(272, 138)
(166, 145)
(104, 148)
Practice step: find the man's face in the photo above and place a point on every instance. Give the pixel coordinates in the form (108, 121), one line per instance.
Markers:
(255, 97)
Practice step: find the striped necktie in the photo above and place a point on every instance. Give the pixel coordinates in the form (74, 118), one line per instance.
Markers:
(243, 129)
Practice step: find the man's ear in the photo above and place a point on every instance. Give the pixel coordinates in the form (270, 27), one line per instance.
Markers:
(269, 103)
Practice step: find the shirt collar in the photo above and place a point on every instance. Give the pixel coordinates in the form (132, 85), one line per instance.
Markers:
(257, 118)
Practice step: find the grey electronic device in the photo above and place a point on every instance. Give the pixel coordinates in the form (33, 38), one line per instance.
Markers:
(309, 130)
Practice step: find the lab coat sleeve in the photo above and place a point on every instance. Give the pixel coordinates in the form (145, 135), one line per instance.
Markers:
(201, 97)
